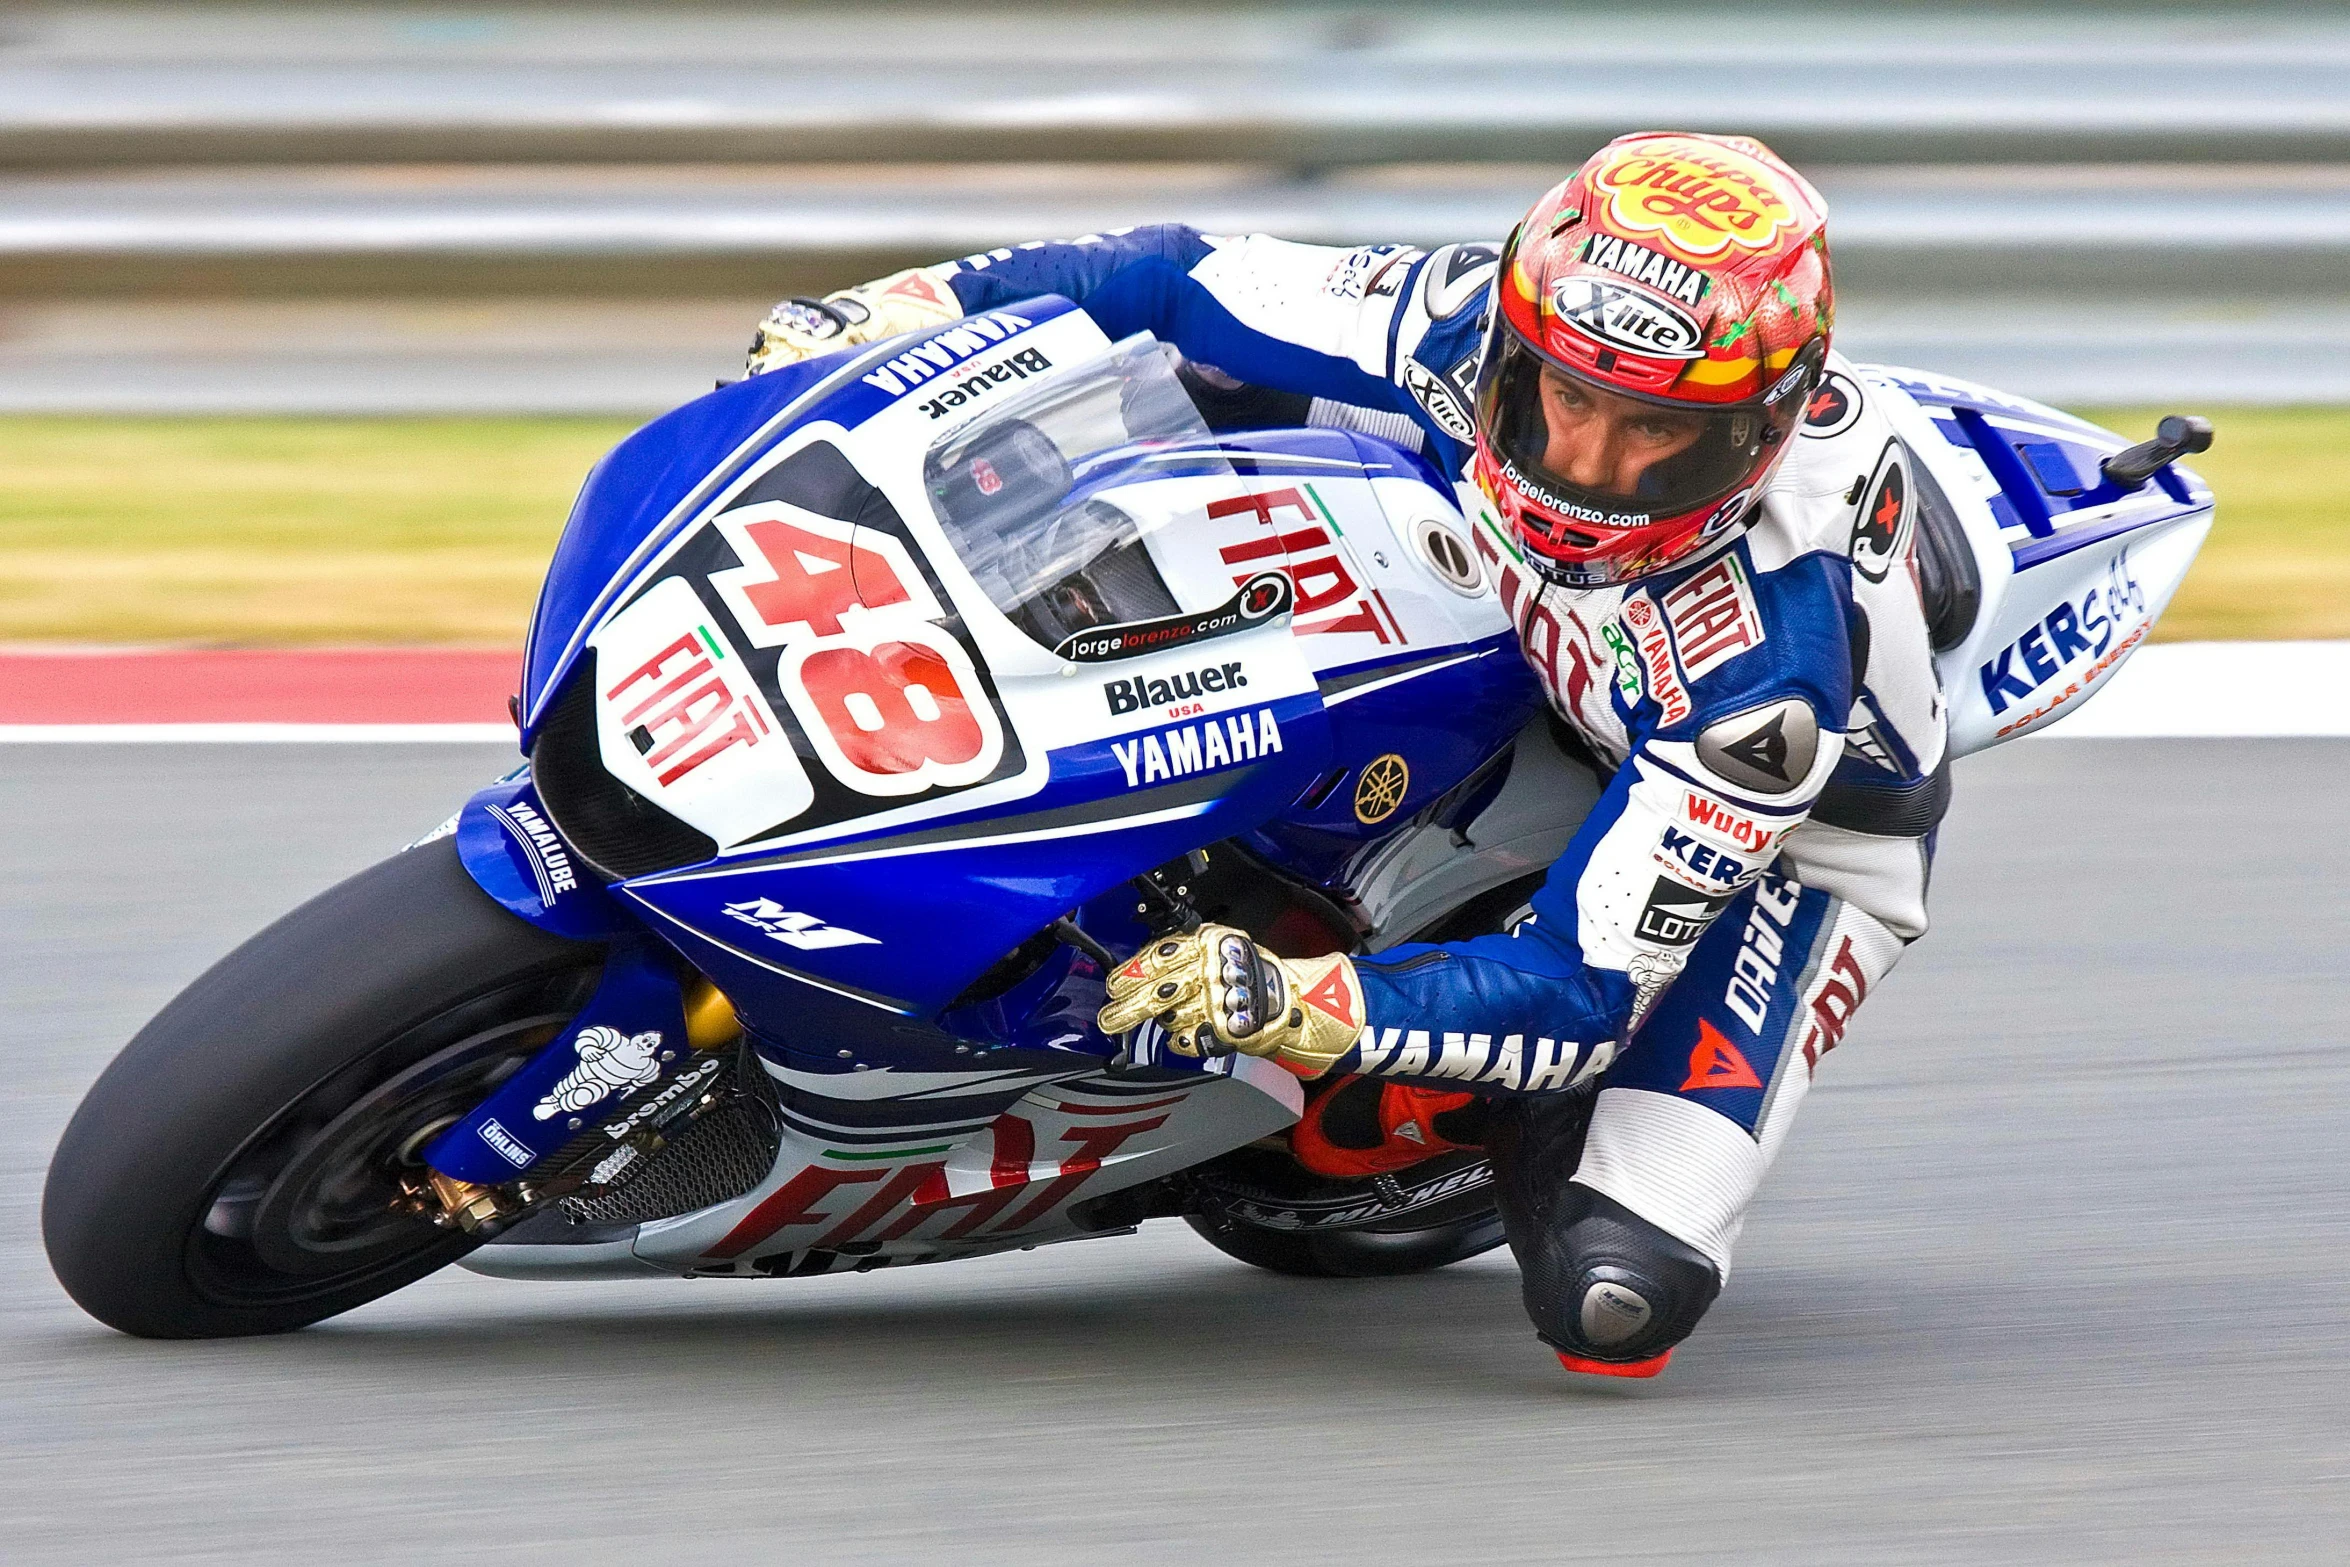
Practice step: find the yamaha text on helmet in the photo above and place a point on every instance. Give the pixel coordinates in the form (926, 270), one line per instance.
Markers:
(1659, 320)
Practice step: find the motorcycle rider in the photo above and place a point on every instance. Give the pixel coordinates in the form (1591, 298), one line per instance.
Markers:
(1710, 570)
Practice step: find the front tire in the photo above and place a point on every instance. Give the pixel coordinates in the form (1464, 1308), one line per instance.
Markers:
(238, 1168)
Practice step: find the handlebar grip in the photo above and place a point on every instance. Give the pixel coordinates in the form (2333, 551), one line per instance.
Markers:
(2175, 437)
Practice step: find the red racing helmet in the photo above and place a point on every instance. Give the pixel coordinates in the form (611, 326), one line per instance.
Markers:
(1685, 272)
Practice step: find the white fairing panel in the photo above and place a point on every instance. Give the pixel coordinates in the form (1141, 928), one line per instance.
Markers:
(2060, 610)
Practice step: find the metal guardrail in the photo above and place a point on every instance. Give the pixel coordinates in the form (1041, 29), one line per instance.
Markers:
(2233, 231)
(1320, 88)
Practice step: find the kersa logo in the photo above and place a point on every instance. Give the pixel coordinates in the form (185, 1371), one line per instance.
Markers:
(2069, 634)
(1693, 860)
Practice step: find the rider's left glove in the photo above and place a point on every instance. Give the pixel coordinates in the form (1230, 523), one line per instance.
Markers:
(903, 302)
(1216, 991)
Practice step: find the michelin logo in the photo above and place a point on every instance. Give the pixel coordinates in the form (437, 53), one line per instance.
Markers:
(609, 1062)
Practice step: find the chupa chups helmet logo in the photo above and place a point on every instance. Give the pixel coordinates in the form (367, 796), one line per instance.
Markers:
(1704, 200)
(1627, 317)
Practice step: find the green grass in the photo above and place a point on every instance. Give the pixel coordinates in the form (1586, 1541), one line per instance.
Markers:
(283, 532)
(2277, 564)
(286, 532)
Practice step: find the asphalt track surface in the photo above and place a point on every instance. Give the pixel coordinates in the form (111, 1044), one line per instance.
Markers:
(2052, 1273)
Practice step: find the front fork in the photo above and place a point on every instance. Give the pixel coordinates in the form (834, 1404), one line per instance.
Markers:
(591, 1104)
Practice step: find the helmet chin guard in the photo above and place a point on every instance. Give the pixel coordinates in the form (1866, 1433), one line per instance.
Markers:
(1683, 273)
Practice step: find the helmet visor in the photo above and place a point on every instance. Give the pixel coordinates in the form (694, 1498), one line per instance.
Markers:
(1601, 460)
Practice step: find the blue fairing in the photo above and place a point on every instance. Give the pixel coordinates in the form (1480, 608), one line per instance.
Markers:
(849, 933)
(514, 853)
(967, 899)
(639, 493)
(637, 486)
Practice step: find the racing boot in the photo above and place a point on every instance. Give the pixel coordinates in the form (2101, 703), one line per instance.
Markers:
(1360, 1127)
(1610, 1292)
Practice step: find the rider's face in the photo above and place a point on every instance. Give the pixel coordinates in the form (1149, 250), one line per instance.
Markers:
(1600, 441)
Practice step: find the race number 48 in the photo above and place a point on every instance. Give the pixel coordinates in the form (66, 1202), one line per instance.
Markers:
(891, 702)
(896, 717)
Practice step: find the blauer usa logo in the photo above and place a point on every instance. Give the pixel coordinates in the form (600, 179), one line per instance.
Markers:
(977, 382)
(1173, 691)
(1627, 317)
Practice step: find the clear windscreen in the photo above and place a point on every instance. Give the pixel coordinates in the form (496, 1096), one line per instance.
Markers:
(1063, 503)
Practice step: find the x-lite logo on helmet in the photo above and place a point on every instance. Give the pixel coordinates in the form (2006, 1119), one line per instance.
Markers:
(1680, 282)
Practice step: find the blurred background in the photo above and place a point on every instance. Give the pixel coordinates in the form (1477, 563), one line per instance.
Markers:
(296, 296)
(313, 317)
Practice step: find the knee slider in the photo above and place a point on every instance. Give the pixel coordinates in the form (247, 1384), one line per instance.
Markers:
(1619, 1289)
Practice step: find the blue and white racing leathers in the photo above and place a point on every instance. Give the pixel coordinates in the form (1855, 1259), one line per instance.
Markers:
(1769, 709)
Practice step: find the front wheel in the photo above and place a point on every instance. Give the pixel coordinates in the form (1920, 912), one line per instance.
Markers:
(240, 1168)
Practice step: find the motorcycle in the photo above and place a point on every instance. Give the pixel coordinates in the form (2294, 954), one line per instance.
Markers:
(873, 710)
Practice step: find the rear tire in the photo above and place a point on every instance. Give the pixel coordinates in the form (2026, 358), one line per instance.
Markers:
(236, 1169)
(1353, 1254)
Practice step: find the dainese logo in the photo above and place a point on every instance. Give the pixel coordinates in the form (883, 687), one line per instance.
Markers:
(1702, 200)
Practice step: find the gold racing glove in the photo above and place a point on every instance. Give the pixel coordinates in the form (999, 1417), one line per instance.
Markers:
(1216, 991)
(800, 329)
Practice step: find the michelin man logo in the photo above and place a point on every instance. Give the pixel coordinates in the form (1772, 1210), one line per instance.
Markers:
(1650, 973)
(610, 1062)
